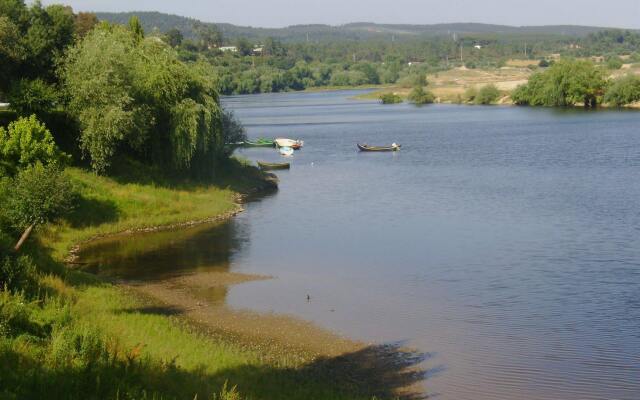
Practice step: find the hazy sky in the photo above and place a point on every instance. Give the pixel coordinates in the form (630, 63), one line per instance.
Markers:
(278, 13)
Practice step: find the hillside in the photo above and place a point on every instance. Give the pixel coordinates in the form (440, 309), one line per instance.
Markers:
(156, 21)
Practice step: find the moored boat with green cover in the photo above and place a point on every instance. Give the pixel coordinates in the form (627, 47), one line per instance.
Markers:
(265, 166)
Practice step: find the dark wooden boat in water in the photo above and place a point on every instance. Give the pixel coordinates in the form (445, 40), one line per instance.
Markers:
(364, 147)
(265, 166)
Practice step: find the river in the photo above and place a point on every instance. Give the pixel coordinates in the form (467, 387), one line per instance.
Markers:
(502, 241)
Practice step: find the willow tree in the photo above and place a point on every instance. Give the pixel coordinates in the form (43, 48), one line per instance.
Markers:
(133, 97)
(566, 83)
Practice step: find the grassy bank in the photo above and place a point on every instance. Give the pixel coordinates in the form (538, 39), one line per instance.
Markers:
(107, 206)
(74, 336)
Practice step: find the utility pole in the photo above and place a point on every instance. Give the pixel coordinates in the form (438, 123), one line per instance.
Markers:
(525, 49)
(461, 60)
(307, 37)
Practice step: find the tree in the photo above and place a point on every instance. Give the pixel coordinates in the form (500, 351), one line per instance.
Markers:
(136, 28)
(37, 195)
(390, 98)
(27, 142)
(623, 91)
(11, 51)
(174, 37)
(273, 47)
(488, 94)
(134, 97)
(419, 96)
(49, 32)
(565, 83)
(209, 35)
(232, 129)
(369, 71)
(84, 23)
(29, 97)
(245, 48)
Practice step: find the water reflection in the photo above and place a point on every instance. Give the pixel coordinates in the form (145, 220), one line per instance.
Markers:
(157, 256)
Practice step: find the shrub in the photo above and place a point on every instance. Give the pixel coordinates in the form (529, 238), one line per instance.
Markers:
(38, 194)
(622, 91)
(25, 142)
(420, 96)
(18, 273)
(390, 98)
(488, 94)
(614, 62)
(470, 95)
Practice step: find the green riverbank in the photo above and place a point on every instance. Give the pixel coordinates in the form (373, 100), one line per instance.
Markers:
(88, 338)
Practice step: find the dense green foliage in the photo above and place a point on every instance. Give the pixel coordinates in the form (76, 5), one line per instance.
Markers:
(26, 142)
(420, 96)
(38, 194)
(488, 94)
(624, 90)
(133, 95)
(33, 97)
(307, 56)
(566, 83)
(32, 39)
(390, 98)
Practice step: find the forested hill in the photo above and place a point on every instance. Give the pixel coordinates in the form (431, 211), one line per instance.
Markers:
(362, 30)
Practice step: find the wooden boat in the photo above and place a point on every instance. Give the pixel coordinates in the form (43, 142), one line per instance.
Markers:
(265, 166)
(294, 144)
(286, 151)
(260, 142)
(393, 147)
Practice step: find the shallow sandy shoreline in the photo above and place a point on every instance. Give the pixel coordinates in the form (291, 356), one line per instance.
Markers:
(198, 300)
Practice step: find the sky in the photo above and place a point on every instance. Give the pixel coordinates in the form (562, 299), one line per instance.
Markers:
(280, 13)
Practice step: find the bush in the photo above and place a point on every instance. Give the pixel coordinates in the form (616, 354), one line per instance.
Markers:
(622, 91)
(390, 98)
(488, 94)
(37, 194)
(470, 95)
(420, 96)
(25, 142)
(614, 63)
(18, 273)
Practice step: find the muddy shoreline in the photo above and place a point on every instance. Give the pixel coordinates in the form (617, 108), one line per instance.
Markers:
(193, 299)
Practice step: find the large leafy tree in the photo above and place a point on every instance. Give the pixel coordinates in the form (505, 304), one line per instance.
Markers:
(133, 96)
(566, 83)
(32, 40)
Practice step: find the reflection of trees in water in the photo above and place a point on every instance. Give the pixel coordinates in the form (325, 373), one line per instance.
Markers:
(159, 255)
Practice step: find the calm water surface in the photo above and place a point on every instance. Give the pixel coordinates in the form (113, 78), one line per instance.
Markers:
(503, 241)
